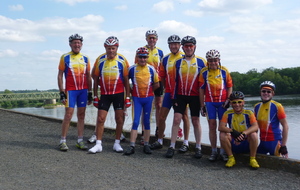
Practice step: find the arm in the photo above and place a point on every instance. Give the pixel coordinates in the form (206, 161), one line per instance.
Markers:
(253, 128)
(127, 86)
(60, 81)
(222, 127)
(285, 130)
(155, 86)
(201, 96)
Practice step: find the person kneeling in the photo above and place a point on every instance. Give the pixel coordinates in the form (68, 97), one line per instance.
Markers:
(241, 134)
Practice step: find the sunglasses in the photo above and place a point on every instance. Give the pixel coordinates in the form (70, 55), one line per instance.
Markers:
(237, 102)
(266, 91)
(213, 60)
(152, 38)
(143, 57)
(188, 46)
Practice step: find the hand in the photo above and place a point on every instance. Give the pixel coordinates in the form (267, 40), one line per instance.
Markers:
(63, 97)
(127, 102)
(203, 111)
(96, 101)
(90, 96)
(235, 133)
(226, 104)
(241, 138)
(283, 151)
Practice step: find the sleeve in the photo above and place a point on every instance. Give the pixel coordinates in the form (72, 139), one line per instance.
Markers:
(201, 79)
(280, 113)
(61, 65)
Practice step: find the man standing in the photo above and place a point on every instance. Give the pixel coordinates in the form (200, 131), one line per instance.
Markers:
(110, 72)
(216, 87)
(167, 75)
(241, 135)
(186, 91)
(75, 66)
(270, 114)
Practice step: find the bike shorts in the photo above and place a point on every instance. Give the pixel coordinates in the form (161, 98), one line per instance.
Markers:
(182, 101)
(116, 99)
(271, 147)
(214, 109)
(76, 97)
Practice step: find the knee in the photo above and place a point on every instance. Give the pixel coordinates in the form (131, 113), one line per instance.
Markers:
(223, 136)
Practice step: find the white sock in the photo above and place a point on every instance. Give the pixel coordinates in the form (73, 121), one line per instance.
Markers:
(186, 142)
(98, 142)
(172, 145)
(160, 141)
(117, 141)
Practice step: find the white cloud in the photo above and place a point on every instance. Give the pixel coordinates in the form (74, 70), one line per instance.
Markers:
(163, 6)
(170, 27)
(121, 7)
(8, 53)
(16, 7)
(73, 2)
(193, 13)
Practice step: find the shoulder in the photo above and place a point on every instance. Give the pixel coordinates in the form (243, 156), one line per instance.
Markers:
(248, 111)
(224, 69)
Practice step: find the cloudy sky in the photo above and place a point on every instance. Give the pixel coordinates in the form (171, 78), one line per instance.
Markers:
(250, 34)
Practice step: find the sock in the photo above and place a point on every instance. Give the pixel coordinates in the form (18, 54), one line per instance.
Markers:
(98, 142)
(132, 144)
(79, 139)
(172, 145)
(222, 151)
(146, 143)
(63, 140)
(231, 156)
(117, 141)
(160, 141)
(198, 146)
(214, 150)
(186, 142)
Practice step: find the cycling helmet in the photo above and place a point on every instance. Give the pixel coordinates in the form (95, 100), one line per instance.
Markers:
(75, 37)
(142, 51)
(174, 39)
(267, 84)
(151, 32)
(236, 95)
(211, 54)
(188, 39)
(111, 41)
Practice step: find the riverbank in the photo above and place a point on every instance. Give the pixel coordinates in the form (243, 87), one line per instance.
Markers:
(30, 159)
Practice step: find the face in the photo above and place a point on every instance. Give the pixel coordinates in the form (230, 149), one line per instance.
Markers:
(266, 94)
(76, 46)
(111, 51)
(142, 60)
(174, 47)
(213, 63)
(237, 105)
(151, 40)
(189, 49)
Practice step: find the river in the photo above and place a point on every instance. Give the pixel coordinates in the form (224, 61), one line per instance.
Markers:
(291, 104)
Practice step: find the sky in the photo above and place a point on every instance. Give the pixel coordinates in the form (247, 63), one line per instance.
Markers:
(250, 34)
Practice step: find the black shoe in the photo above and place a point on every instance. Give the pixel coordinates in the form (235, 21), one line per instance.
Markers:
(213, 157)
(156, 145)
(198, 153)
(147, 149)
(129, 151)
(184, 148)
(224, 157)
(170, 152)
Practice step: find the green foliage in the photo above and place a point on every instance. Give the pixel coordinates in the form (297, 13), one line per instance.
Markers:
(287, 80)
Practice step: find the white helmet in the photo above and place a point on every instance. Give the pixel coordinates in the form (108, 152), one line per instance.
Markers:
(75, 37)
(111, 41)
(151, 32)
(267, 84)
(211, 54)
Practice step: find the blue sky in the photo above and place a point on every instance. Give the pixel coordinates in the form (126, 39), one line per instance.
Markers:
(250, 34)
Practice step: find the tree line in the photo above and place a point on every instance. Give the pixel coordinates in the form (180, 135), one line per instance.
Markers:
(287, 80)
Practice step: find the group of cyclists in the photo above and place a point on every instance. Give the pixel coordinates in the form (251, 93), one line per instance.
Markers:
(189, 84)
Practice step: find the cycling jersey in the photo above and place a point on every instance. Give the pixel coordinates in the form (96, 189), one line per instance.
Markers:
(215, 82)
(155, 56)
(187, 76)
(239, 122)
(268, 115)
(75, 68)
(111, 73)
(142, 78)
(167, 70)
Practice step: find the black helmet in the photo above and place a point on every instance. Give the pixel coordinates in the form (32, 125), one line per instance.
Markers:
(188, 39)
(75, 37)
(236, 95)
(174, 39)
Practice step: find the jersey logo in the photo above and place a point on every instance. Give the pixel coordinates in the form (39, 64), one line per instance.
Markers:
(218, 76)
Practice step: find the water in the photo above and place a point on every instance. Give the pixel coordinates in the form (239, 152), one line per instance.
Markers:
(291, 104)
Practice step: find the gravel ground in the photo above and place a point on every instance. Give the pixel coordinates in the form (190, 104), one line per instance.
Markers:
(30, 159)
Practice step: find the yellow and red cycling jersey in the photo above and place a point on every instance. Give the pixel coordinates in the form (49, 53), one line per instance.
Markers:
(239, 122)
(154, 58)
(167, 70)
(142, 77)
(111, 73)
(215, 82)
(268, 116)
(75, 68)
(187, 76)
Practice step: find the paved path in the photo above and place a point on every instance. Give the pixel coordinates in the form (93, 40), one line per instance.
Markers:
(31, 160)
